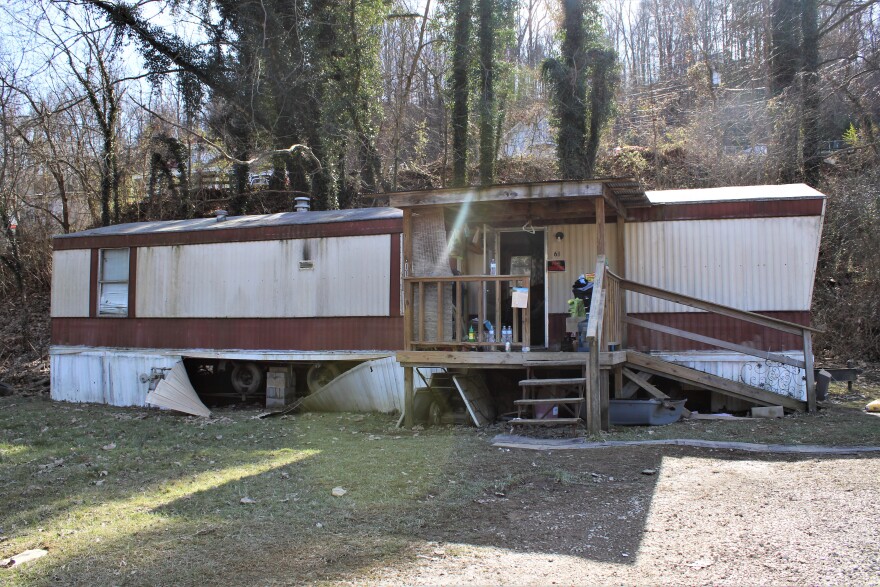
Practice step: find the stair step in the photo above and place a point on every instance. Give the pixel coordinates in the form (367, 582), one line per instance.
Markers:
(559, 363)
(547, 382)
(548, 400)
(547, 421)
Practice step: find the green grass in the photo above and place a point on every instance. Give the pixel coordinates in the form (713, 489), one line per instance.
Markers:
(163, 506)
(149, 510)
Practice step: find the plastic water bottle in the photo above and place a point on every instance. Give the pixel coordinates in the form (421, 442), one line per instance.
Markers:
(492, 267)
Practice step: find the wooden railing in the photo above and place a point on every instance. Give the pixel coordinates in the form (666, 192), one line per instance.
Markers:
(804, 333)
(597, 396)
(452, 323)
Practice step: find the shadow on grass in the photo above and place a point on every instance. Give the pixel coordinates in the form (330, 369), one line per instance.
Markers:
(183, 522)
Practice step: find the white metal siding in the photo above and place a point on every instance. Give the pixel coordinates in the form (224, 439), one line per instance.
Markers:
(104, 376)
(764, 264)
(350, 277)
(775, 377)
(578, 250)
(373, 386)
(70, 283)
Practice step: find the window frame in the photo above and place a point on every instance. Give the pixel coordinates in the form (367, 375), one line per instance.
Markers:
(101, 282)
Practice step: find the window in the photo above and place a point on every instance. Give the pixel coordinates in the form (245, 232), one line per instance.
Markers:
(113, 282)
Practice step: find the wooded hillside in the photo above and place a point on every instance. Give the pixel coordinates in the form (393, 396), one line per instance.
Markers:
(119, 111)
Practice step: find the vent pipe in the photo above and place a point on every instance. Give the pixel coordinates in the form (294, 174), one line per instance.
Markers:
(302, 203)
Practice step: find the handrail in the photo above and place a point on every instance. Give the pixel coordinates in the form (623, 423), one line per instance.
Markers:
(595, 395)
(416, 335)
(465, 278)
(754, 318)
(804, 332)
(597, 306)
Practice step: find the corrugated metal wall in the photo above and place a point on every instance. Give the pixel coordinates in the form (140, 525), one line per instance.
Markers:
(769, 375)
(759, 264)
(578, 250)
(373, 386)
(109, 377)
(70, 283)
(350, 277)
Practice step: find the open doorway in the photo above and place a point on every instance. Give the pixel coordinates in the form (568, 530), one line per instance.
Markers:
(522, 252)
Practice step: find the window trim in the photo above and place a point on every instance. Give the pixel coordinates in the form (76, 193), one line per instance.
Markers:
(101, 281)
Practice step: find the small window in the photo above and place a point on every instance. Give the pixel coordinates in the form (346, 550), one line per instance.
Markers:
(113, 283)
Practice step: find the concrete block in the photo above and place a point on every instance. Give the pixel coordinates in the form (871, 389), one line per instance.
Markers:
(279, 388)
(767, 412)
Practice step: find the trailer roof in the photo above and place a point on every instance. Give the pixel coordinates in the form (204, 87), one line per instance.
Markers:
(792, 191)
(239, 222)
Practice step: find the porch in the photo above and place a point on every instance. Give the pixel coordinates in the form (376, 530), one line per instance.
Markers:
(469, 291)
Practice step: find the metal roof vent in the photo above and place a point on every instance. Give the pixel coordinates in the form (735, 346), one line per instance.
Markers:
(302, 203)
(221, 215)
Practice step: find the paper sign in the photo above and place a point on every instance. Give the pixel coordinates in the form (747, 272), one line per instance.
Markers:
(556, 265)
(520, 298)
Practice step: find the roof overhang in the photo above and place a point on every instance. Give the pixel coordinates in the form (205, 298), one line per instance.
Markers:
(558, 197)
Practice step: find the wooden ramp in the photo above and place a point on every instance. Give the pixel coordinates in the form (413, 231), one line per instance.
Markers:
(657, 366)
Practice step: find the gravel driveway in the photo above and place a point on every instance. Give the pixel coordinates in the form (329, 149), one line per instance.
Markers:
(702, 518)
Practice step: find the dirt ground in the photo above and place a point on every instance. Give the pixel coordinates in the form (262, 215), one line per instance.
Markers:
(704, 518)
(132, 496)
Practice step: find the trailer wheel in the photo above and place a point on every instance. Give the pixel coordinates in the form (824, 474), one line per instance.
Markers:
(320, 374)
(246, 378)
(436, 410)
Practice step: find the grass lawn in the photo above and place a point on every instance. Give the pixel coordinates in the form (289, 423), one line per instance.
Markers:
(142, 497)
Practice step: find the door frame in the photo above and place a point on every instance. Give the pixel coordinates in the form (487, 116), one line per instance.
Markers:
(497, 256)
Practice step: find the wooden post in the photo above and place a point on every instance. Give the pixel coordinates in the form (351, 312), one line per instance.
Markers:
(481, 311)
(594, 390)
(440, 317)
(459, 302)
(600, 226)
(409, 398)
(497, 311)
(605, 401)
(408, 272)
(808, 371)
(421, 306)
(621, 271)
(527, 317)
(618, 381)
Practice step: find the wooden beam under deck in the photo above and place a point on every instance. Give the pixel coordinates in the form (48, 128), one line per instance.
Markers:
(503, 360)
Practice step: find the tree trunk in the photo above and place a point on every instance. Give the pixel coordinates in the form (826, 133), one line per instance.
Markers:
(785, 44)
(487, 92)
(601, 93)
(460, 60)
(810, 92)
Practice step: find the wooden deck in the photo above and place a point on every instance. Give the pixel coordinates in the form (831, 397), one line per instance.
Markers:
(503, 360)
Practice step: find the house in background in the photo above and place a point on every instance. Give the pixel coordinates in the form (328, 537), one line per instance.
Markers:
(529, 139)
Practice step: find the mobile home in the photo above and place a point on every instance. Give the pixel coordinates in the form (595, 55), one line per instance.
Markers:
(712, 281)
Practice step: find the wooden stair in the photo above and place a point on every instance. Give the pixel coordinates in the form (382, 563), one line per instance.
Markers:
(544, 392)
(650, 364)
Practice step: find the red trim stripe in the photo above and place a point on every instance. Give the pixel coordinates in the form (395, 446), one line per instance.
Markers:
(727, 210)
(232, 235)
(306, 334)
(394, 282)
(132, 282)
(93, 284)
